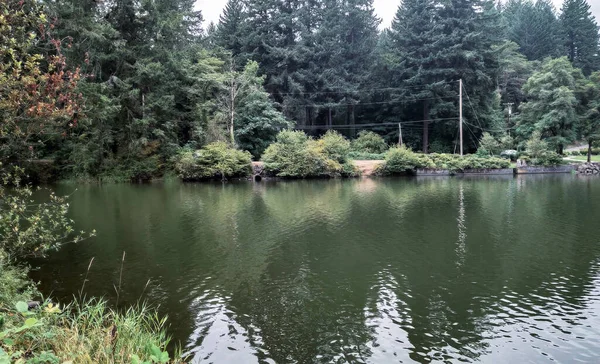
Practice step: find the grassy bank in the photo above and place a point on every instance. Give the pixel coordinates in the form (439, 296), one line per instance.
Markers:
(577, 158)
(84, 331)
(34, 329)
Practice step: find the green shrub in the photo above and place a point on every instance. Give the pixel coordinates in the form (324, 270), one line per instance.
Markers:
(295, 155)
(488, 145)
(595, 151)
(538, 152)
(216, 160)
(335, 146)
(454, 162)
(400, 160)
(451, 162)
(369, 142)
(548, 158)
(366, 156)
(26, 228)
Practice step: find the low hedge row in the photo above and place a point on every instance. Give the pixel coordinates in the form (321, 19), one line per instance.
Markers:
(401, 160)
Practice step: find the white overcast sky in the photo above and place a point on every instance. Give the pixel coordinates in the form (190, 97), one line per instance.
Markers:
(386, 9)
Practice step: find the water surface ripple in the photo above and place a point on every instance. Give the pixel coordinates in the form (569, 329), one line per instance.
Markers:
(493, 270)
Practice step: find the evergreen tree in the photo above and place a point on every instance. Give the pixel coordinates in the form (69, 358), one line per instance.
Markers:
(415, 39)
(257, 122)
(345, 47)
(515, 69)
(231, 29)
(590, 121)
(534, 27)
(581, 37)
(552, 105)
(436, 47)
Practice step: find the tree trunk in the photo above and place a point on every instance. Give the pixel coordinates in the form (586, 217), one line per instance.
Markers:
(425, 126)
(329, 120)
(589, 154)
(352, 122)
(231, 132)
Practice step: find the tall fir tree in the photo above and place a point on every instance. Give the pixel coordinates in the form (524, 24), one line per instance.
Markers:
(414, 36)
(580, 34)
(231, 29)
(346, 43)
(438, 46)
(534, 27)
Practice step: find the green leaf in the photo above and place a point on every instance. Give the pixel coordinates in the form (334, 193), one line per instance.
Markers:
(30, 322)
(8, 342)
(22, 306)
(155, 350)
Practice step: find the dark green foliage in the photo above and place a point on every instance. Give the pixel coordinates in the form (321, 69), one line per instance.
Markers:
(257, 122)
(552, 103)
(580, 35)
(590, 119)
(216, 160)
(435, 46)
(156, 83)
(231, 30)
(369, 142)
(534, 27)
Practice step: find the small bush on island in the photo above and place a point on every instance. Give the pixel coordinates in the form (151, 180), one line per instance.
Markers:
(216, 160)
(335, 146)
(369, 142)
(295, 155)
(401, 160)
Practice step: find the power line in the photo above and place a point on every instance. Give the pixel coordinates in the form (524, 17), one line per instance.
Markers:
(330, 106)
(472, 108)
(337, 126)
(474, 136)
(362, 90)
(491, 130)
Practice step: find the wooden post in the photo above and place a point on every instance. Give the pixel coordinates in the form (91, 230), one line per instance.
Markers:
(460, 105)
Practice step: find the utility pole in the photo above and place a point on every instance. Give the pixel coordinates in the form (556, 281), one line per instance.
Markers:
(400, 136)
(460, 105)
(509, 105)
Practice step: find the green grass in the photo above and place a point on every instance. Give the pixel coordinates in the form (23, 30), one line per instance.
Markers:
(583, 158)
(84, 331)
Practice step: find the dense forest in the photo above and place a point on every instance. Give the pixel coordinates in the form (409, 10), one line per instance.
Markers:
(120, 87)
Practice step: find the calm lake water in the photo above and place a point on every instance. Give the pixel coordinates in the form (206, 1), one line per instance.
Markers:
(491, 270)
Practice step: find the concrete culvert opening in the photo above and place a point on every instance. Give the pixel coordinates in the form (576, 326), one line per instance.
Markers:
(257, 178)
